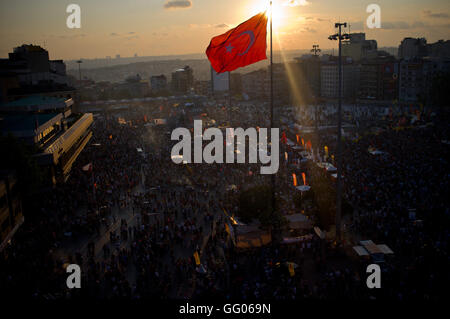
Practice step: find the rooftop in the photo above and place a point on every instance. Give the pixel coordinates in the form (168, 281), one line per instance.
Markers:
(24, 122)
(38, 101)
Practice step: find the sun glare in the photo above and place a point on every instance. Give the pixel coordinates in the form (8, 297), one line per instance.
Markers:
(278, 18)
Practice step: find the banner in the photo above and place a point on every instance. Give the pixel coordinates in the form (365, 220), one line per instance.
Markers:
(291, 269)
(197, 258)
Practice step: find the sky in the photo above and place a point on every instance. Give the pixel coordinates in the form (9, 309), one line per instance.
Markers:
(174, 27)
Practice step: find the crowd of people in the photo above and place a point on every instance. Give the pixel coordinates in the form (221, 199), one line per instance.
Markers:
(142, 226)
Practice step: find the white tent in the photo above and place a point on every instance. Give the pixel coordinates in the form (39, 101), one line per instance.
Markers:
(299, 221)
(303, 188)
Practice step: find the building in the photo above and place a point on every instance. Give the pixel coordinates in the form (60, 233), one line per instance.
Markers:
(256, 84)
(439, 49)
(417, 76)
(32, 66)
(183, 80)
(411, 81)
(358, 48)
(134, 87)
(220, 82)
(307, 77)
(11, 216)
(28, 71)
(411, 48)
(379, 79)
(236, 83)
(329, 79)
(49, 124)
(158, 83)
(281, 83)
(202, 87)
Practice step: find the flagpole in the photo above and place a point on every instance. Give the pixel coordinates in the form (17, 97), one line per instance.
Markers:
(271, 70)
(272, 177)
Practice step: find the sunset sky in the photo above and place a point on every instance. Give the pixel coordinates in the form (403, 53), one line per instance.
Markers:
(163, 27)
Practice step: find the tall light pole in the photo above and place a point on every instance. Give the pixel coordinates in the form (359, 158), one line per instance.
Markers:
(339, 36)
(79, 69)
(315, 49)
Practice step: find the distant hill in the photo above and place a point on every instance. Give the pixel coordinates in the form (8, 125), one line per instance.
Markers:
(106, 62)
(119, 69)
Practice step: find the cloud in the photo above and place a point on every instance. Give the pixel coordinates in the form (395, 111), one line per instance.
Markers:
(314, 19)
(114, 34)
(395, 25)
(358, 26)
(207, 26)
(131, 32)
(439, 15)
(74, 36)
(295, 3)
(311, 30)
(196, 26)
(178, 4)
(418, 24)
(402, 25)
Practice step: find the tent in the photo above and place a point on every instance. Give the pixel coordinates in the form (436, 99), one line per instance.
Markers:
(303, 188)
(299, 221)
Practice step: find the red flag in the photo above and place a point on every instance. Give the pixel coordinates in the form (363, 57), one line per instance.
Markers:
(283, 138)
(240, 46)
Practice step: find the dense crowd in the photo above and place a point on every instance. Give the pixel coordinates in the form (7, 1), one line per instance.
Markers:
(134, 220)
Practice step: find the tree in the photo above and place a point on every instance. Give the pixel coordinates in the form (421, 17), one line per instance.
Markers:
(256, 203)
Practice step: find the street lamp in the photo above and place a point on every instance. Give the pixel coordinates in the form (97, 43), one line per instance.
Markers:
(79, 69)
(339, 36)
(315, 49)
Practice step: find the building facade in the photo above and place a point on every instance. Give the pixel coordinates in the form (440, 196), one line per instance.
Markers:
(379, 79)
(358, 48)
(411, 48)
(11, 216)
(49, 124)
(183, 80)
(158, 83)
(329, 79)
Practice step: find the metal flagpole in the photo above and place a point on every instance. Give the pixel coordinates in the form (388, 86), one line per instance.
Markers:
(272, 177)
(271, 70)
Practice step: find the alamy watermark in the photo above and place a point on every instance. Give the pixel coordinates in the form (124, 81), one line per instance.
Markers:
(374, 279)
(374, 19)
(74, 19)
(74, 279)
(258, 146)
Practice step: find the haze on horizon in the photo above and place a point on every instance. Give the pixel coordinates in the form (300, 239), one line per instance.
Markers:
(177, 27)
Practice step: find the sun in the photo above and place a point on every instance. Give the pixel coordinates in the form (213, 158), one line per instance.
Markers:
(278, 11)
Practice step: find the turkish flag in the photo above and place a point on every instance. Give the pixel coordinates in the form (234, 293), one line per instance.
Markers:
(240, 46)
